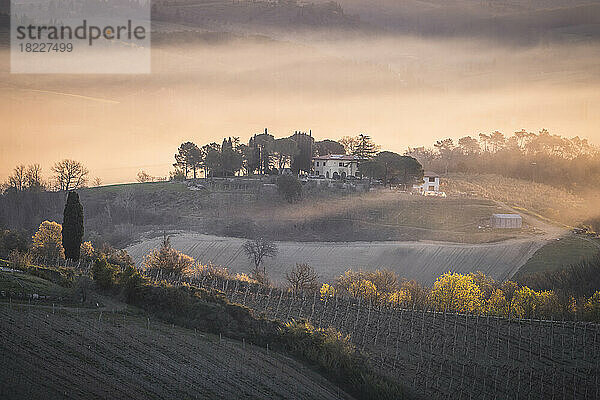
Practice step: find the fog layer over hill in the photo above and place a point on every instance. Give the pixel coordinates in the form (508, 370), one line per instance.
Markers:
(319, 68)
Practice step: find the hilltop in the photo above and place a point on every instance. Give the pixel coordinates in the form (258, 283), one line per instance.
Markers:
(248, 208)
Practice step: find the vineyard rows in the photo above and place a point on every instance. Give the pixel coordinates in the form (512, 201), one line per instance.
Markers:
(448, 355)
(82, 354)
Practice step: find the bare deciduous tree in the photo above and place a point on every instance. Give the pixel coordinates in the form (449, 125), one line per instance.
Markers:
(23, 178)
(70, 174)
(256, 250)
(97, 181)
(302, 277)
(143, 177)
(350, 144)
(33, 176)
(127, 200)
(17, 179)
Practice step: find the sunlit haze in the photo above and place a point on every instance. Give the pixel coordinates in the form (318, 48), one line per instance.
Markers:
(402, 90)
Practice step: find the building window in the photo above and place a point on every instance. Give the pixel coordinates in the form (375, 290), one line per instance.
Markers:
(317, 163)
(431, 179)
(431, 188)
(324, 163)
(341, 164)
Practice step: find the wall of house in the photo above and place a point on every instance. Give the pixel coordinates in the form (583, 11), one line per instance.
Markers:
(327, 168)
(429, 186)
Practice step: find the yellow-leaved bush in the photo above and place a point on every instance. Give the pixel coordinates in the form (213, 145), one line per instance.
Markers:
(453, 291)
(326, 291)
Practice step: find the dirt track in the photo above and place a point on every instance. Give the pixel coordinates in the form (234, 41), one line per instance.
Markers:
(85, 355)
(423, 261)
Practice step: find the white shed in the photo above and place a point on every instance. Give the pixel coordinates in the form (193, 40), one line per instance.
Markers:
(506, 221)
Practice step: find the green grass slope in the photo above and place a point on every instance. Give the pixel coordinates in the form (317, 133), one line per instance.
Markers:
(19, 284)
(558, 254)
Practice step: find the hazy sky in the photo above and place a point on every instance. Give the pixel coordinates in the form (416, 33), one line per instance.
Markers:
(401, 90)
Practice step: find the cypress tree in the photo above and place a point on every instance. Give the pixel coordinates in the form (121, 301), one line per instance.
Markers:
(72, 229)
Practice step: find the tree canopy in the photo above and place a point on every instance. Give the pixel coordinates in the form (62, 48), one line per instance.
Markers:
(289, 187)
(47, 241)
(188, 157)
(392, 168)
(168, 261)
(570, 163)
(325, 147)
(257, 250)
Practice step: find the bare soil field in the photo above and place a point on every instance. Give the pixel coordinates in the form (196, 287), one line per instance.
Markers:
(422, 261)
(85, 354)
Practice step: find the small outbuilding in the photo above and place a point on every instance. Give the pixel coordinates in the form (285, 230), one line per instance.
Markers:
(506, 221)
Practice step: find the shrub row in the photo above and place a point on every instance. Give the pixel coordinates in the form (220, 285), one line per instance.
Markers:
(210, 311)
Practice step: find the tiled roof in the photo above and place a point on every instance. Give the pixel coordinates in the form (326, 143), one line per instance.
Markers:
(337, 157)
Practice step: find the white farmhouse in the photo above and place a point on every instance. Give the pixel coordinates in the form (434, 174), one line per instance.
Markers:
(431, 183)
(336, 166)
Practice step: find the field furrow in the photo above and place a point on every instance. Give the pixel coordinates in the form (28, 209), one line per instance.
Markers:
(422, 261)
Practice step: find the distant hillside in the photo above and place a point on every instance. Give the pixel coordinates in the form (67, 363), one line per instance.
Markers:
(120, 214)
(522, 22)
(282, 17)
(543, 201)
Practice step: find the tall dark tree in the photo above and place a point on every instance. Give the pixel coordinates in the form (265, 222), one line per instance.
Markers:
(365, 147)
(283, 150)
(263, 144)
(302, 160)
(188, 157)
(195, 159)
(72, 228)
(231, 157)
